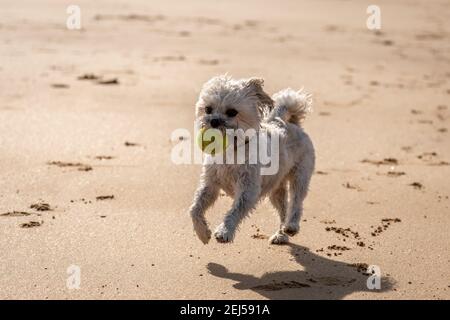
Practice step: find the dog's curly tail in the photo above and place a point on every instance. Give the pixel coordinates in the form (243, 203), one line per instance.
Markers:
(291, 106)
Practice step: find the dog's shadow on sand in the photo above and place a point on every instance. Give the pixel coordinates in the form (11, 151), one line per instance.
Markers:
(321, 278)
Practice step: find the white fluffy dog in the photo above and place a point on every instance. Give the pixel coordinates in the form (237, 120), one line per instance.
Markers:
(226, 103)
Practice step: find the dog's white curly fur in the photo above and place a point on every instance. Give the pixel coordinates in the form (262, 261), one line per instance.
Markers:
(292, 106)
(283, 114)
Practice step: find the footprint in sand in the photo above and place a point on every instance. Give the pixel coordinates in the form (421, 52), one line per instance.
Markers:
(395, 173)
(60, 86)
(88, 76)
(385, 161)
(104, 157)
(31, 224)
(129, 17)
(78, 165)
(417, 185)
(352, 186)
(430, 159)
(15, 214)
(108, 197)
(41, 206)
(112, 81)
(98, 79)
(131, 144)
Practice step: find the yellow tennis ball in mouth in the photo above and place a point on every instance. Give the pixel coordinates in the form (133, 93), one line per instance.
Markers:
(212, 141)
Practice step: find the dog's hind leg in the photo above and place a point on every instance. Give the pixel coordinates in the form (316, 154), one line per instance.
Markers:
(279, 200)
(299, 183)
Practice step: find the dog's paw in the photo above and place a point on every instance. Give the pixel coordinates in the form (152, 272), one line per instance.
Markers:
(223, 234)
(291, 229)
(202, 231)
(279, 238)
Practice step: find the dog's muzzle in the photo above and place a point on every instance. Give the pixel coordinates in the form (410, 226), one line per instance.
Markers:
(215, 123)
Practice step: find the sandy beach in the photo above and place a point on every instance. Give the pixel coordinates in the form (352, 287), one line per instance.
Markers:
(86, 177)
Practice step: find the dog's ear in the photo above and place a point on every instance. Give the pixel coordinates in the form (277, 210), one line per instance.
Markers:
(255, 87)
(258, 83)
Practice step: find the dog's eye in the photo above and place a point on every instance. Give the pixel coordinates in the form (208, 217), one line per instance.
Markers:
(208, 109)
(231, 112)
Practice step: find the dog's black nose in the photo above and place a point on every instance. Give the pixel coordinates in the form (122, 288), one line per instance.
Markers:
(215, 123)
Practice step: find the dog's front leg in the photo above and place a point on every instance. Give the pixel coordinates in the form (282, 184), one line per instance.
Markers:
(204, 197)
(246, 197)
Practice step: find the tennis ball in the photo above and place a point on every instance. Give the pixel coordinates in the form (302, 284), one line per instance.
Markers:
(212, 141)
